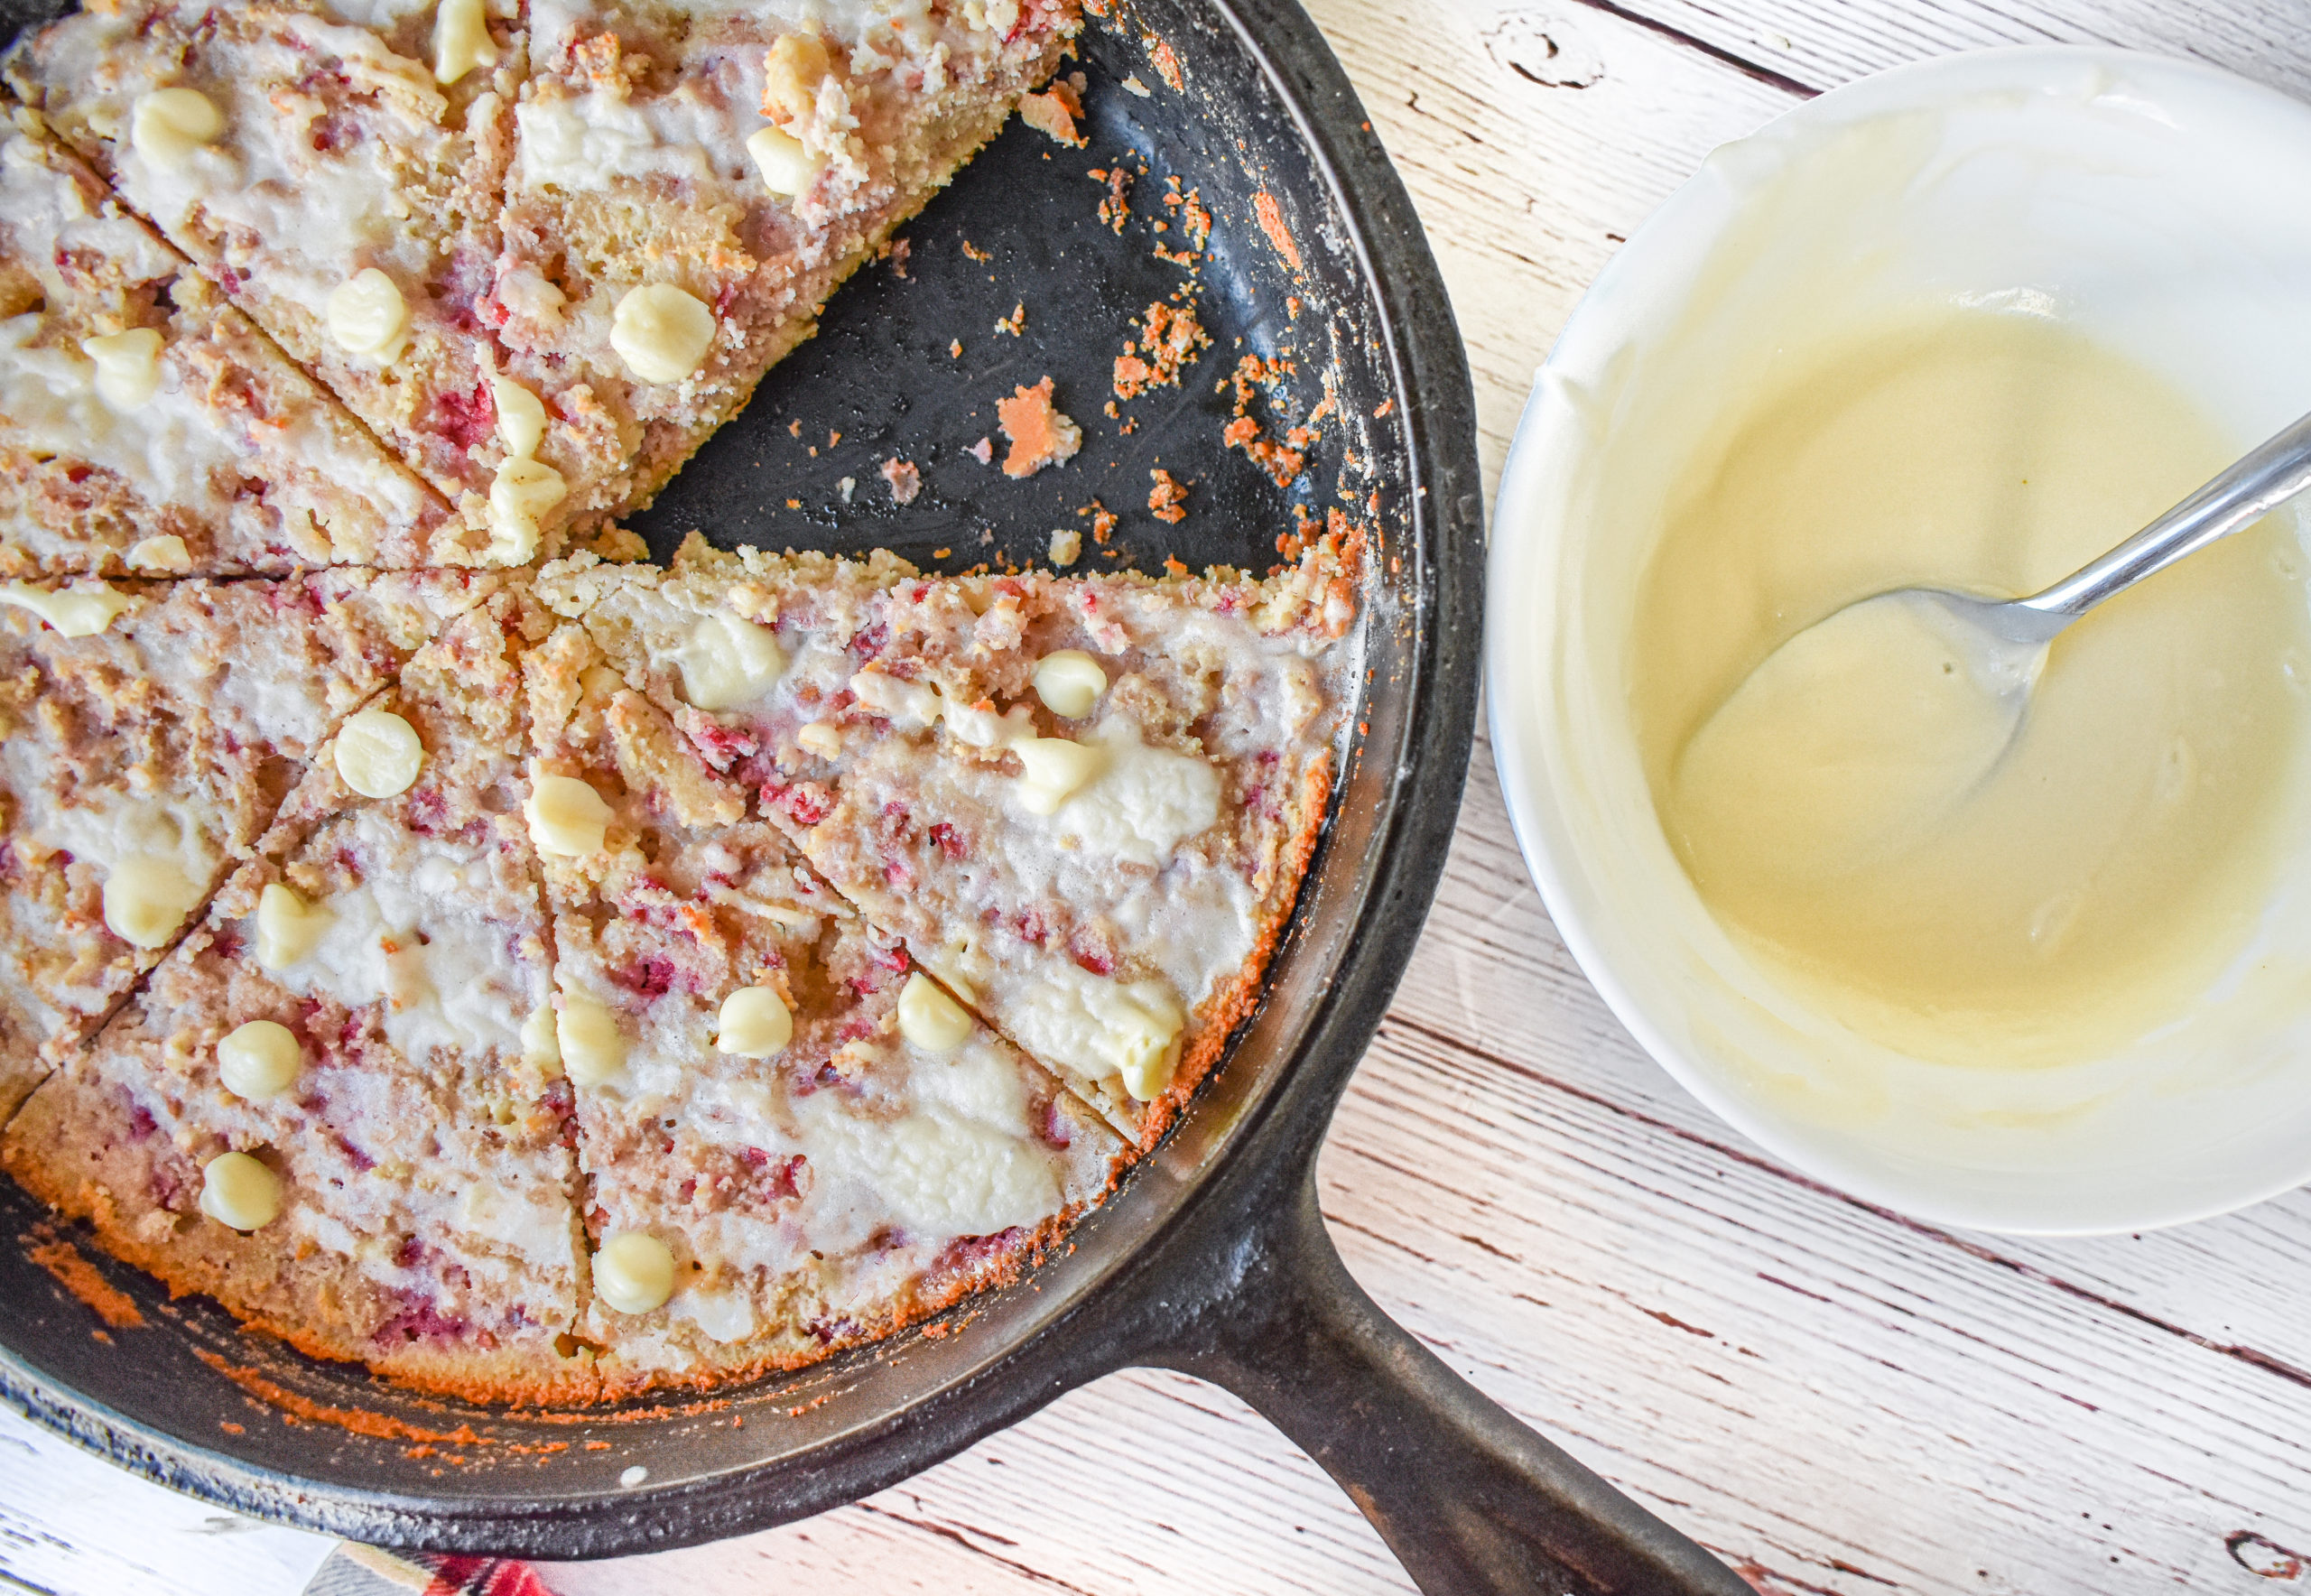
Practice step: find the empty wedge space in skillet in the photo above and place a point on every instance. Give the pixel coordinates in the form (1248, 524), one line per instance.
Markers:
(334, 1107)
(545, 267)
(1085, 804)
(149, 734)
(790, 1141)
(147, 427)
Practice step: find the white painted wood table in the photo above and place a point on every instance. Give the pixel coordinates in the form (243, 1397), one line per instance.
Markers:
(1832, 1398)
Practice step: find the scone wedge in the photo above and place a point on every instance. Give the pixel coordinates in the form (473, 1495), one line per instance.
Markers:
(322, 1109)
(150, 732)
(1084, 803)
(791, 1140)
(336, 170)
(147, 427)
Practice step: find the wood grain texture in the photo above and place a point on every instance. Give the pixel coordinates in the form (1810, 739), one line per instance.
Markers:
(1836, 1399)
(1821, 43)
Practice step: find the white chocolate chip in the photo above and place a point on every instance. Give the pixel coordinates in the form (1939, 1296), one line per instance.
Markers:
(81, 610)
(521, 493)
(1070, 682)
(788, 169)
(378, 754)
(366, 313)
(462, 39)
(258, 1059)
(592, 1048)
(541, 1046)
(634, 1273)
(238, 1191)
(165, 553)
(288, 928)
(729, 661)
(145, 900)
(128, 367)
(931, 1019)
(1055, 770)
(567, 818)
(822, 738)
(1148, 1068)
(168, 124)
(662, 333)
(754, 1023)
(521, 416)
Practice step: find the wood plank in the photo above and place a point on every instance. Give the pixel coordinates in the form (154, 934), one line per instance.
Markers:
(1821, 43)
(1525, 189)
(1807, 1386)
(72, 1524)
(1146, 1482)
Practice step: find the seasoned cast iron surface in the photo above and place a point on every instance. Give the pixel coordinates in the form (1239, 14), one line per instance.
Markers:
(187, 1398)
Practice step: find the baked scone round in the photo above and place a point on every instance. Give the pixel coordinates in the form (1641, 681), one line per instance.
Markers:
(536, 976)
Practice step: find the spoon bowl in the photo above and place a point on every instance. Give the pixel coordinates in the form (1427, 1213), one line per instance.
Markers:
(1867, 728)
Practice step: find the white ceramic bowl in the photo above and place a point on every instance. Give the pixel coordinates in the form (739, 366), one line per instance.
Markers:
(2162, 208)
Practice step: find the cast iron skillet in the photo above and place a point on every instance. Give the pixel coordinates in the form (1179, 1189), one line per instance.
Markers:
(1212, 1258)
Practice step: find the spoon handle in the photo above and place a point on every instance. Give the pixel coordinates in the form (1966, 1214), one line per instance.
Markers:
(2261, 481)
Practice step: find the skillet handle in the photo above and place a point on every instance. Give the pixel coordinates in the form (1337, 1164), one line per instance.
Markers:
(1470, 1501)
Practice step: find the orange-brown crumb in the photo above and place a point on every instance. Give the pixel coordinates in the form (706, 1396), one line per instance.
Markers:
(78, 1276)
(1053, 113)
(1167, 64)
(1170, 337)
(1115, 209)
(1271, 220)
(1167, 500)
(1103, 521)
(906, 479)
(1283, 462)
(1195, 221)
(1015, 323)
(1040, 434)
(976, 253)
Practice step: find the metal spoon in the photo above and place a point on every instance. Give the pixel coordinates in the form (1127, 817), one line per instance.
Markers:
(1872, 724)
(2257, 484)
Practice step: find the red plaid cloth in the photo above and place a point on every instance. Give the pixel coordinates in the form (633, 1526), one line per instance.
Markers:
(363, 1571)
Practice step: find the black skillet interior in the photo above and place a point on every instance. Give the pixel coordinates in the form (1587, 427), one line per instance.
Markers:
(189, 1399)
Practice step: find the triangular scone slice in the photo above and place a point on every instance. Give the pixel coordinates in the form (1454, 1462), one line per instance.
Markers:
(690, 182)
(309, 157)
(1085, 802)
(790, 1142)
(347, 1025)
(143, 749)
(147, 427)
